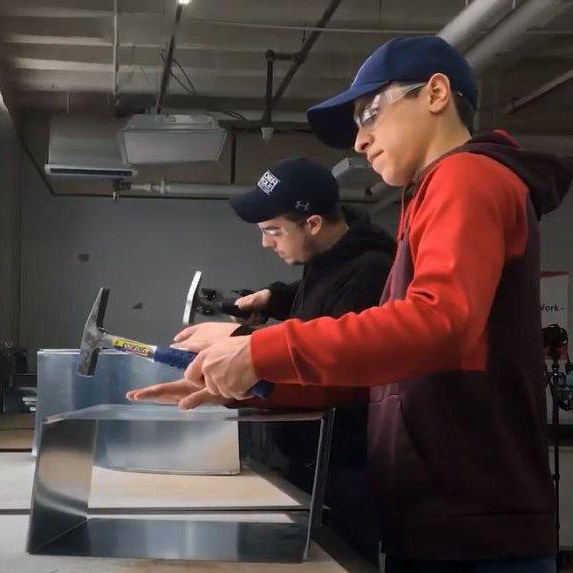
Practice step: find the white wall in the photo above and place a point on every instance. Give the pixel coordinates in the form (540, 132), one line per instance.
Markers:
(557, 247)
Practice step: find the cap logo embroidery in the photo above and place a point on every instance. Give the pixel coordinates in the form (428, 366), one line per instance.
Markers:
(302, 206)
(267, 182)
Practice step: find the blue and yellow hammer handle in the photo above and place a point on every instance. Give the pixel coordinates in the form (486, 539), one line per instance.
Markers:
(177, 359)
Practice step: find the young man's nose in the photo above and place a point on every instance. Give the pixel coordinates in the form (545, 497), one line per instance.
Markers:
(362, 141)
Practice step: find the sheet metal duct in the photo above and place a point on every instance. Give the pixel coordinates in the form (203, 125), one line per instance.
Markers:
(85, 148)
(467, 26)
(504, 36)
(156, 139)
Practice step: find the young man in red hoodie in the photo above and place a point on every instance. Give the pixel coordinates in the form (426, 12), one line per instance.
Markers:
(453, 354)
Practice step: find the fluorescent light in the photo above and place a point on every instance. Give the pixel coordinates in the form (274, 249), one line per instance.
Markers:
(183, 2)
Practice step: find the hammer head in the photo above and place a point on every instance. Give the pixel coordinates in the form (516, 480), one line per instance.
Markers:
(93, 334)
(192, 301)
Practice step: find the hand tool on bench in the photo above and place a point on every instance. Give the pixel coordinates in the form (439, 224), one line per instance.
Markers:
(95, 338)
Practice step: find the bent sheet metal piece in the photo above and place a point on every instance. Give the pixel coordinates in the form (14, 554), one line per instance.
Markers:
(210, 448)
(60, 523)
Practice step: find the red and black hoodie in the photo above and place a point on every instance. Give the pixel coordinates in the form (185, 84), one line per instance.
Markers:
(453, 359)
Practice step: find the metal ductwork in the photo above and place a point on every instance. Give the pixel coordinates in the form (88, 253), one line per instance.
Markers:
(506, 34)
(108, 149)
(465, 30)
(469, 24)
(166, 138)
(84, 148)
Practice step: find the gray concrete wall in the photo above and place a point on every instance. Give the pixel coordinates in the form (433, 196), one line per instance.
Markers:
(9, 227)
(145, 250)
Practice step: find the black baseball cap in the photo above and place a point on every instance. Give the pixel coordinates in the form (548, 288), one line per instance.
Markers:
(295, 185)
(407, 59)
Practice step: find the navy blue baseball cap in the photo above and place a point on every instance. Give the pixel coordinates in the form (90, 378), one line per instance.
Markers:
(292, 186)
(414, 59)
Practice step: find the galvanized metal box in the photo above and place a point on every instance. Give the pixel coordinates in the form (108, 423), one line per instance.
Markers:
(206, 448)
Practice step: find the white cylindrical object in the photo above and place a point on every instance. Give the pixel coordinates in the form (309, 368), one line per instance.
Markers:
(465, 28)
(503, 37)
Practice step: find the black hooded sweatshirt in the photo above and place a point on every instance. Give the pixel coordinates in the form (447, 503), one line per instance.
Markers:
(350, 276)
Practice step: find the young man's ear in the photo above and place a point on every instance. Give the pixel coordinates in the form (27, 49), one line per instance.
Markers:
(439, 93)
(315, 224)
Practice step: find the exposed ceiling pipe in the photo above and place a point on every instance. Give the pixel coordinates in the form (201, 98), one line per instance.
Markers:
(300, 57)
(168, 63)
(195, 190)
(468, 25)
(220, 191)
(504, 36)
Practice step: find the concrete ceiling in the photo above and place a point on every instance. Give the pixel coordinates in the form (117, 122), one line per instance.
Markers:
(58, 55)
(61, 47)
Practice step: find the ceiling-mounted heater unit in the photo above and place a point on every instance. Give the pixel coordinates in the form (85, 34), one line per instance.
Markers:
(165, 138)
(89, 171)
(86, 148)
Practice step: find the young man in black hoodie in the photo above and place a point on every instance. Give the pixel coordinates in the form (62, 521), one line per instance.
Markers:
(453, 355)
(346, 260)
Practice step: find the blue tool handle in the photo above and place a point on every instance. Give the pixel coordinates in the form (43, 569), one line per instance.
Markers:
(173, 357)
(182, 358)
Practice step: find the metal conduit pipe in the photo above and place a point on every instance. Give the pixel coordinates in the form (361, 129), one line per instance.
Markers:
(221, 191)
